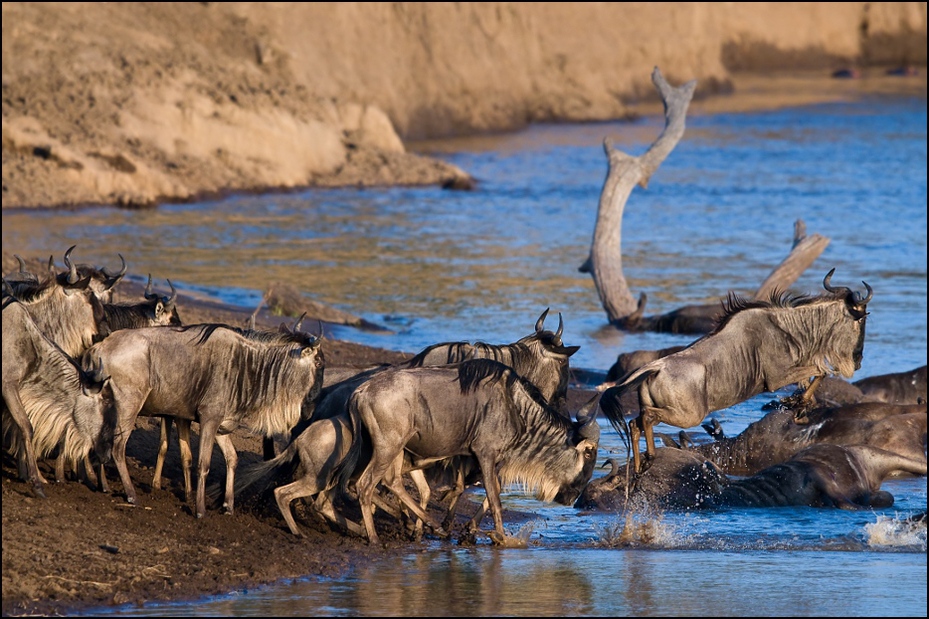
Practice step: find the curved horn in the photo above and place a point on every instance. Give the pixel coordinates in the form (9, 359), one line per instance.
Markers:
(541, 320)
(865, 300)
(22, 263)
(828, 279)
(116, 276)
(560, 327)
(148, 289)
(169, 302)
(299, 322)
(72, 270)
(51, 266)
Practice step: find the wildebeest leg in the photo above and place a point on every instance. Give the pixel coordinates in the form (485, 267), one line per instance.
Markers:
(394, 482)
(648, 426)
(455, 494)
(422, 487)
(365, 488)
(806, 401)
(208, 427)
(323, 505)
(166, 422)
(187, 457)
(474, 524)
(492, 491)
(285, 495)
(232, 459)
(635, 433)
(27, 459)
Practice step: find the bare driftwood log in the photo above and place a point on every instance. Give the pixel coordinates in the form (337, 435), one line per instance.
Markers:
(605, 263)
(699, 319)
(805, 250)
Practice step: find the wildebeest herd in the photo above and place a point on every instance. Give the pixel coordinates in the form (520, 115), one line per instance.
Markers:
(79, 369)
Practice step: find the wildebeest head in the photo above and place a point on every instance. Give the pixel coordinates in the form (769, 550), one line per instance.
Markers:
(164, 308)
(99, 418)
(102, 281)
(586, 438)
(857, 315)
(547, 361)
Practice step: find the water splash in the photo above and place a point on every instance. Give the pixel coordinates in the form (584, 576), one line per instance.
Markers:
(897, 531)
(638, 530)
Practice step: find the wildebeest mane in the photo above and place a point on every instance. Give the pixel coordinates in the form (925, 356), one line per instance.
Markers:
(29, 292)
(472, 373)
(270, 337)
(735, 303)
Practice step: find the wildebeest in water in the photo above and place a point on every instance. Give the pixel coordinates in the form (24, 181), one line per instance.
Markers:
(757, 346)
(479, 408)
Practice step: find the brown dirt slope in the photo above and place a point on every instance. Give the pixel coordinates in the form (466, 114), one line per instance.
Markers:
(138, 103)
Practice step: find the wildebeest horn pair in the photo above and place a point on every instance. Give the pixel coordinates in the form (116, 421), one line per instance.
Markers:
(541, 321)
(842, 289)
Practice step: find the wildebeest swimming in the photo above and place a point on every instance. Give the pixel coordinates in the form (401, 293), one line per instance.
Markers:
(896, 388)
(219, 376)
(820, 475)
(478, 408)
(49, 401)
(775, 437)
(757, 346)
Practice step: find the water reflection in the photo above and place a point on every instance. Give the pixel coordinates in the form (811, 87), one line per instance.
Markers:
(591, 582)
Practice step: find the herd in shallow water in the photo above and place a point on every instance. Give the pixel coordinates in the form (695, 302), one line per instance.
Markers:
(79, 369)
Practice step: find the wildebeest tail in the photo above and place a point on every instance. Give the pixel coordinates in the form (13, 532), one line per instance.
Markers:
(344, 470)
(611, 402)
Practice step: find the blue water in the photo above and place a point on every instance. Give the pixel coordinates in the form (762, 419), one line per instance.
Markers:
(432, 265)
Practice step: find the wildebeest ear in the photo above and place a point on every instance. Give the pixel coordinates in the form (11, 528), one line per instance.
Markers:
(159, 309)
(568, 350)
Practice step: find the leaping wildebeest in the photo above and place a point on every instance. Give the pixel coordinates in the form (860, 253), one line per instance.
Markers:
(757, 346)
(479, 408)
(219, 376)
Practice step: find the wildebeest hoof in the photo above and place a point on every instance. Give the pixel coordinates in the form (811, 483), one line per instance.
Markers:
(39, 491)
(467, 539)
(801, 419)
(497, 539)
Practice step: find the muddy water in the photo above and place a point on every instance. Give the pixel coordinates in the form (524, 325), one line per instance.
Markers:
(430, 265)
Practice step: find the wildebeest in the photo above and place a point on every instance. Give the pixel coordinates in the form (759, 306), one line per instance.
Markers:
(690, 319)
(478, 408)
(155, 310)
(219, 376)
(49, 399)
(65, 309)
(775, 437)
(822, 475)
(895, 388)
(757, 346)
(540, 357)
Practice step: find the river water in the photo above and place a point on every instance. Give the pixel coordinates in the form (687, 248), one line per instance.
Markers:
(431, 265)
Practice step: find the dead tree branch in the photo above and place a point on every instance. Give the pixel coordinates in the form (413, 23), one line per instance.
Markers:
(604, 262)
(806, 249)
